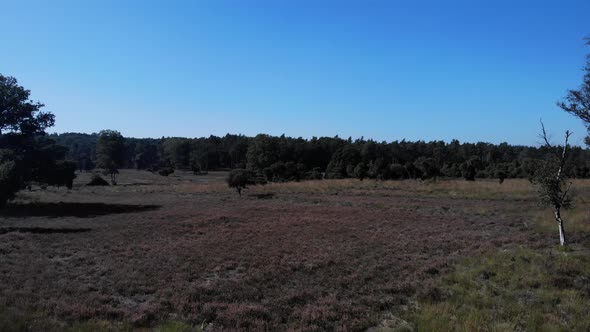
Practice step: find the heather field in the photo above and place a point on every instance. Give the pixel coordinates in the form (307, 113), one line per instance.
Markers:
(186, 252)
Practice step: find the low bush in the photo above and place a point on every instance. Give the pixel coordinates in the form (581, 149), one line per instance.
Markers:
(166, 171)
(9, 181)
(97, 180)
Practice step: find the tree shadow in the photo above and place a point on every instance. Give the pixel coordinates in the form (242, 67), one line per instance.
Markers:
(41, 230)
(80, 210)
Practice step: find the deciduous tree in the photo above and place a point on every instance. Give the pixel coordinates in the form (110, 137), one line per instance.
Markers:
(552, 183)
(25, 155)
(577, 102)
(110, 152)
(18, 114)
(239, 179)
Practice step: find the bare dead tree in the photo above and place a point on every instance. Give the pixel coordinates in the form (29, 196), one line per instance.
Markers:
(551, 180)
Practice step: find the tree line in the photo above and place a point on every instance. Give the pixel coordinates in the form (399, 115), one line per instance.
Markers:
(28, 155)
(281, 158)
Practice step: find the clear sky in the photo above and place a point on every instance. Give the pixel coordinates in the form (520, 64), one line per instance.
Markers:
(475, 70)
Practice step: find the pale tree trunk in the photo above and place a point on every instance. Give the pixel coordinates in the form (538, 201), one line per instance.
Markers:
(558, 207)
(560, 226)
(561, 198)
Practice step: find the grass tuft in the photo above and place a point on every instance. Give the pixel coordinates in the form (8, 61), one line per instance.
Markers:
(518, 289)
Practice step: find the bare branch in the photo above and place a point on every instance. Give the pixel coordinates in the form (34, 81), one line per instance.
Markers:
(544, 136)
(563, 157)
(562, 199)
(547, 141)
(568, 134)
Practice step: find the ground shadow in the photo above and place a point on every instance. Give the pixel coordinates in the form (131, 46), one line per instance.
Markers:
(263, 196)
(41, 230)
(80, 210)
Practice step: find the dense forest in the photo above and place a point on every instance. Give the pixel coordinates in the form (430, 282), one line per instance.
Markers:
(287, 159)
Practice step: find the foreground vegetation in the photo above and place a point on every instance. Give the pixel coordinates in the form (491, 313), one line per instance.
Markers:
(186, 253)
(512, 290)
(540, 287)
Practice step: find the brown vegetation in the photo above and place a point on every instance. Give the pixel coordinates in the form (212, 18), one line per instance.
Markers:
(318, 255)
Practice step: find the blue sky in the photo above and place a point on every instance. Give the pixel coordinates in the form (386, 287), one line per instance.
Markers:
(388, 70)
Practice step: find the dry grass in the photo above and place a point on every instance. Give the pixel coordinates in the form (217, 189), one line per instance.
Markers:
(512, 189)
(513, 290)
(314, 255)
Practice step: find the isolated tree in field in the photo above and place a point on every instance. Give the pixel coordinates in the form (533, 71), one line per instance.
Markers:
(577, 102)
(239, 179)
(110, 152)
(501, 175)
(552, 183)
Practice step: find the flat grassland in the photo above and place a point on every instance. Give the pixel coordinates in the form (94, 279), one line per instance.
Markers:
(185, 252)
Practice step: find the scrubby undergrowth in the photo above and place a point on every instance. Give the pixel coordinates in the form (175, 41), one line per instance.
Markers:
(513, 290)
(313, 256)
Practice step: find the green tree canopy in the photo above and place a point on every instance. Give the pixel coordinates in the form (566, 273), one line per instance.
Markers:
(110, 152)
(239, 179)
(577, 102)
(25, 154)
(18, 114)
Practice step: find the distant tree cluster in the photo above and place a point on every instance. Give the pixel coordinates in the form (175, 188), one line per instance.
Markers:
(292, 159)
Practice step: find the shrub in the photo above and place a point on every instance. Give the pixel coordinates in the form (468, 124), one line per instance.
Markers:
(294, 171)
(397, 172)
(62, 174)
(360, 171)
(428, 168)
(501, 175)
(412, 171)
(335, 170)
(470, 168)
(276, 172)
(314, 174)
(166, 171)
(9, 181)
(376, 168)
(451, 170)
(239, 179)
(97, 180)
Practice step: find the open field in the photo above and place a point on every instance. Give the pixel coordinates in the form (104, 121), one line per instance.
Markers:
(186, 252)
